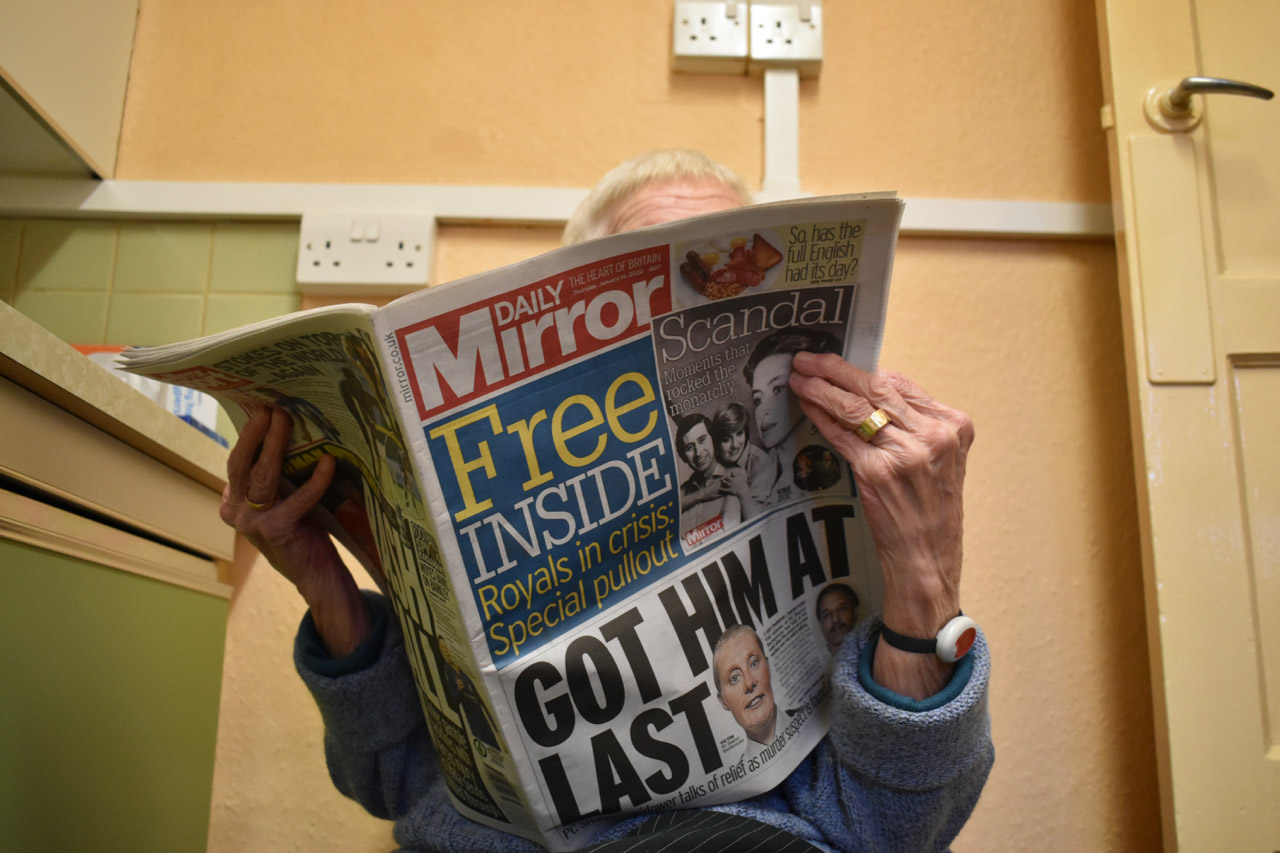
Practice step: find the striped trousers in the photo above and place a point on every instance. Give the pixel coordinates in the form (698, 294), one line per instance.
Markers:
(704, 832)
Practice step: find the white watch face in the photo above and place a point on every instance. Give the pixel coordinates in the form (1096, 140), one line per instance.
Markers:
(956, 638)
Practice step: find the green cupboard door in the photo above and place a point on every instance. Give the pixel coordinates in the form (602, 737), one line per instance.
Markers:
(108, 707)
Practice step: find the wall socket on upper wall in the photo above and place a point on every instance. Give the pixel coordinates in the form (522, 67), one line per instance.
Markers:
(737, 37)
(786, 35)
(709, 38)
(365, 249)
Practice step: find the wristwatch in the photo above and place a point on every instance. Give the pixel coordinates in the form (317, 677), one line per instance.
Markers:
(952, 642)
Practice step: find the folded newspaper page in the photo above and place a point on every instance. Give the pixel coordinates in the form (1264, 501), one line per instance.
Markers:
(602, 518)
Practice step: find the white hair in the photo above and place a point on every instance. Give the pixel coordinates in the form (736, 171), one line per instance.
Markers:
(592, 218)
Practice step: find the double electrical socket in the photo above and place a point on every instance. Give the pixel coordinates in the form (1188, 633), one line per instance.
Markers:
(786, 35)
(710, 38)
(735, 37)
(388, 250)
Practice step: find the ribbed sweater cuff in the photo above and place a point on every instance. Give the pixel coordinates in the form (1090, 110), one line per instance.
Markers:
(913, 749)
(315, 657)
(953, 688)
(370, 707)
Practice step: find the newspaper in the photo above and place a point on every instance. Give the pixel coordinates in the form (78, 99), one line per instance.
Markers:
(600, 514)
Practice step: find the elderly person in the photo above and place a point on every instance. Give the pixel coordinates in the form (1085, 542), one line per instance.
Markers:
(909, 748)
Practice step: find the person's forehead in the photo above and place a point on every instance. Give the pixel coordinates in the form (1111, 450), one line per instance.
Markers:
(740, 645)
(667, 201)
(834, 596)
(696, 432)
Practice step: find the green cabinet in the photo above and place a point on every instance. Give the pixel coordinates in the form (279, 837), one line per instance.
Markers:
(108, 709)
(113, 608)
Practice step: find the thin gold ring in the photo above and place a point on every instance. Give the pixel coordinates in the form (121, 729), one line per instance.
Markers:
(878, 420)
(254, 505)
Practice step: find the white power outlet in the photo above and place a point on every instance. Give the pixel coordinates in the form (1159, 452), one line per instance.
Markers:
(709, 38)
(786, 35)
(337, 248)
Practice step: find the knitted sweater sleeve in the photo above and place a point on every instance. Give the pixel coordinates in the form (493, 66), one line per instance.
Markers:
(889, 778)
(375, 736)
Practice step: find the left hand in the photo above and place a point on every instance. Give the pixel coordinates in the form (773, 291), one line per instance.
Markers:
(297, 547)
(911, 480)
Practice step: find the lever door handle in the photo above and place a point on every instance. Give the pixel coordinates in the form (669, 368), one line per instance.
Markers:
(1173, 109)
(1176, 102)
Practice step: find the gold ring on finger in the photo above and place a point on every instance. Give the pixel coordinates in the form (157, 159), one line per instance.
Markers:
(259, 507)
(878, 420)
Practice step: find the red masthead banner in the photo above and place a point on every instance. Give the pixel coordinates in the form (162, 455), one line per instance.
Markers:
(470, 352)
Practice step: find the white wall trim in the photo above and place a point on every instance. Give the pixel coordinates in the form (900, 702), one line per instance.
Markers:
(79, 198)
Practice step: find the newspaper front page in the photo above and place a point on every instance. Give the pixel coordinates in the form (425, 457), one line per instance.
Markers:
(623, 522)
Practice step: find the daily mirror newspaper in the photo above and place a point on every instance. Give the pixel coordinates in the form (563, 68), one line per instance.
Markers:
(602, 518)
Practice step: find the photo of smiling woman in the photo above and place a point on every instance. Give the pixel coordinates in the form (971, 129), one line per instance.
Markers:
(745, 688)
(731, 432)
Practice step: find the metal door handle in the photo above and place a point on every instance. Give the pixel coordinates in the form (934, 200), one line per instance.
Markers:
(1176, 102)
(1173, 109)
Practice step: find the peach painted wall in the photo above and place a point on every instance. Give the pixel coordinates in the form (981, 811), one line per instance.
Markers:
(980, 99)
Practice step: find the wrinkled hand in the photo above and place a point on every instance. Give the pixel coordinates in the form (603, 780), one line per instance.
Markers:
(295, 546)
(911, 479)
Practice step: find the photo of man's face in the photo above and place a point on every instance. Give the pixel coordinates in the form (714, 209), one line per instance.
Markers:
(745, 689)
(837, 611)
(697, 449)
(777, 410)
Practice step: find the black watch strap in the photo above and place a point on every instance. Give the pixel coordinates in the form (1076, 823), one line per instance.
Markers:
(951, 643)
(908, 644)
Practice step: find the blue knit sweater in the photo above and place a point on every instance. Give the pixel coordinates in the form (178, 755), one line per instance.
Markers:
(891, 775)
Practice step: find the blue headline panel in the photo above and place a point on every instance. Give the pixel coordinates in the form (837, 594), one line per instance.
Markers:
(565, 494)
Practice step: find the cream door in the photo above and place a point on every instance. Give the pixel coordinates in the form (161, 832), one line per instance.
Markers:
(1197, 211)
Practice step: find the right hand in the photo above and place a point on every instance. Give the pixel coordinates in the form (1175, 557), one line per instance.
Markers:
(911, 481)
(296, 547)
